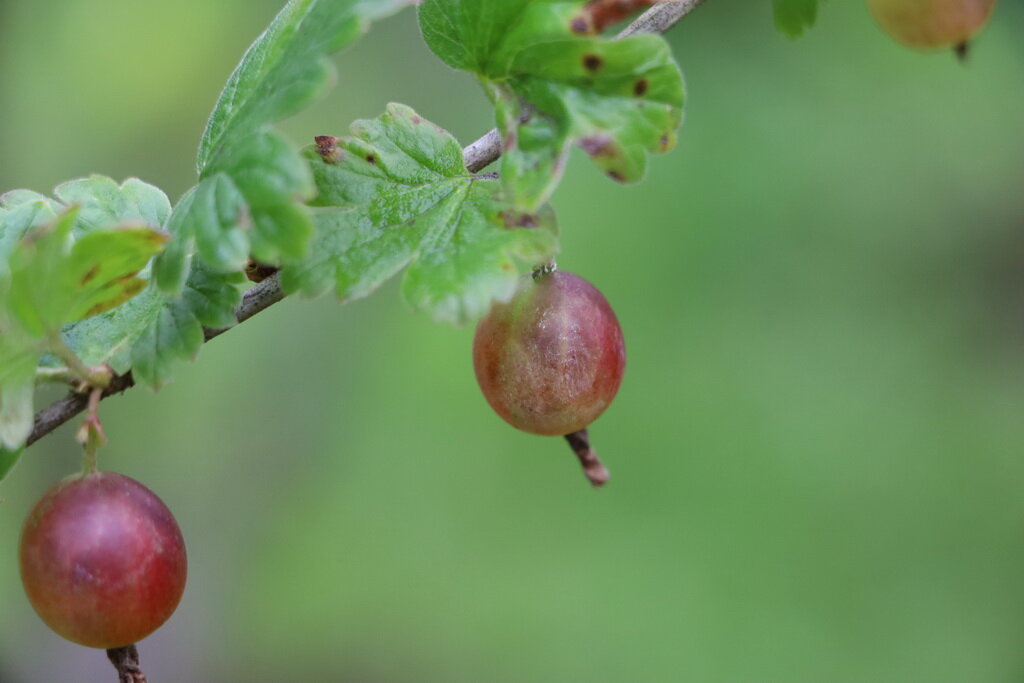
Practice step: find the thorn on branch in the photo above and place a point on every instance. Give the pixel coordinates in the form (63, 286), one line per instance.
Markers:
(126, 661)
(595, 470)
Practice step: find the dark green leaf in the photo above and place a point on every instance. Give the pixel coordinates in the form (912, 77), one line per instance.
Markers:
(274, 181)
(793, 17)
(213, 217)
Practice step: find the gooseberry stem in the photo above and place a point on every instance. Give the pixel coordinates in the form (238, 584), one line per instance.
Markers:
(593, 468)
(126, 661)
(91, 434)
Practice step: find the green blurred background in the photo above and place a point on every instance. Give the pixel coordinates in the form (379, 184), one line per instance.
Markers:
(817, 453)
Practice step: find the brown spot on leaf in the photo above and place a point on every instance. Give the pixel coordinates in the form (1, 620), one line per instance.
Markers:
(616, 176)
(592, 62)
(579, 25)
(598, 146)
(371, 159)
(91, 274)
(327, 148)
(515, 219)
(640, 87)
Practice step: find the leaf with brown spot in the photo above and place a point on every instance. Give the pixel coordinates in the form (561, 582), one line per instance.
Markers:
(402, 199)
(57, 280)
(554, 87)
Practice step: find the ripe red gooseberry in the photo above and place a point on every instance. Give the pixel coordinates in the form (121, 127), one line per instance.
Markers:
(102, 560)
(550, 360)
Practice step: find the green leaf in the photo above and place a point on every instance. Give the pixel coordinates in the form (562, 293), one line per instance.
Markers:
(91, 285)
(285, 70)
(154, 332)
(55, 280)
(554, 88)
(19, 355)
(256, 184)
(471, 35)
(59, 265)
(212, 216)
(8, 459)
(274, 181)
(793, 17)
(20, 212)
(402, 197)
(103, 203)
(175, 333)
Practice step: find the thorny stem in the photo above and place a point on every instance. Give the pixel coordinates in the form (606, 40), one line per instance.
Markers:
(126, 661)
(595, 470)
(476, 156)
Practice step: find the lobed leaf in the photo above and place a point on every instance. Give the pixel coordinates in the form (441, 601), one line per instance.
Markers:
(103, 203)
(554, 86)
(285, 68)
(55, 280)
(396, 194)
(152, 333)
(253, 202)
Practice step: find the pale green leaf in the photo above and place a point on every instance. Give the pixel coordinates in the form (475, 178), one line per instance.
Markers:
(19, 355)
(55, 280)
(103, 203)
(400, 196)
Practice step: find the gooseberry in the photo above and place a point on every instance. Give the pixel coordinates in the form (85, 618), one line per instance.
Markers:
(928, 24)
(102, 560)
(551, 359)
